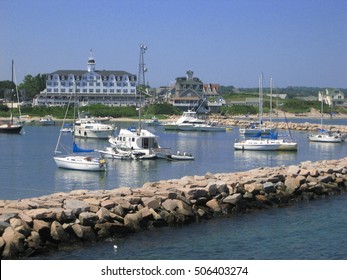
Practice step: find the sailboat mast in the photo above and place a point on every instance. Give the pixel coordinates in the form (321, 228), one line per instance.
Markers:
(12, 94)
(321, 110)
(270, 100)
(261, 98)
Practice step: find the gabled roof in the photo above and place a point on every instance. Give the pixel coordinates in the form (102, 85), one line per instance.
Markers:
(193, 93)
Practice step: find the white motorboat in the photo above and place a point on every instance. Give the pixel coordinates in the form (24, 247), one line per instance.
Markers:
(141, 142)
(181, 156)
(89, 127)
(326, 136)
(153, 122)
(114, 153)
(189, 121)
(67, 128)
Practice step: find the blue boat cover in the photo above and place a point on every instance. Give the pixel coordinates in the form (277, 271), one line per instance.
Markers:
(77, 149)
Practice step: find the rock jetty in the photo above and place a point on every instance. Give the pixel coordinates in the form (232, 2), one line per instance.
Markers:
(306, 126)
(33, 226)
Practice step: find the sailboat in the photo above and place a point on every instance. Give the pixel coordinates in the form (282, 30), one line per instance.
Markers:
(254, 128)
(324, 135)
(11, 127)
(270, 142)
(77, 160)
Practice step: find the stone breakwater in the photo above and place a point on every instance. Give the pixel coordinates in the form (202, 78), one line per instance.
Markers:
(33, 226)
(306, 126)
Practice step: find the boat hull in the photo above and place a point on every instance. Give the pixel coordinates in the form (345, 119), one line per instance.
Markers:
(11, 128)
(265, 146)
(113, 153)
(325, 138)
(96, 134)
(82, 163)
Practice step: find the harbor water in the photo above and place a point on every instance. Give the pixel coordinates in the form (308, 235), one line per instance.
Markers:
(308, 230)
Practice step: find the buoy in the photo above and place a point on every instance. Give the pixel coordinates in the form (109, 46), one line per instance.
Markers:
(115, 246)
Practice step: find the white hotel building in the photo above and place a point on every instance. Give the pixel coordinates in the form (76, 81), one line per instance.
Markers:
(113, 88)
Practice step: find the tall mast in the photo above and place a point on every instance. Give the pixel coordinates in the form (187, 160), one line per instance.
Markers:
(270, 100)
(261, 98)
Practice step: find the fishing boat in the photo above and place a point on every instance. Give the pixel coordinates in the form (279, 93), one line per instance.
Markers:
(324, 135)
(12, 127)
(78, 159)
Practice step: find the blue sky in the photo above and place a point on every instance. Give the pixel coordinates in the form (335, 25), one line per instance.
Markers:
(230, 42)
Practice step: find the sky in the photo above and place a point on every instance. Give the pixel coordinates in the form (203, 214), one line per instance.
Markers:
(226, 42)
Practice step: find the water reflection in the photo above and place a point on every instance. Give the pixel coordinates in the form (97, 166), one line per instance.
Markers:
(326, 150)
(255, 159)
(68, 180)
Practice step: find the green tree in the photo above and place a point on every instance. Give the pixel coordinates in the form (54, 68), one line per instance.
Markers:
(33, 85)
(5, 86)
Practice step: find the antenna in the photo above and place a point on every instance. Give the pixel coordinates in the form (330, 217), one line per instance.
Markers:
(142, 66)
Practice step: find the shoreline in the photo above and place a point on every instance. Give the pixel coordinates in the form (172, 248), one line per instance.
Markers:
(281, 115)
(40, 225)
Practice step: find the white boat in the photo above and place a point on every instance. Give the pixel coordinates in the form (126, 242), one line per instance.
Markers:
(324, 135)
(142, 143)
(114, 153)
(189, 121)
(271, 142)
(78, 159)
(254, 128)
(153, 122)
(181, 156)
(47, 120)
(89, 127)
(67, 128)
(83, 163)
(266, 145)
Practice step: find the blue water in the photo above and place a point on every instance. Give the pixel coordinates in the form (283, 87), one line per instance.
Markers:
(313, 230)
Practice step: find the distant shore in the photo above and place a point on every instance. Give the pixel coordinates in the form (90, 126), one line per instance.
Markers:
(310, 115)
